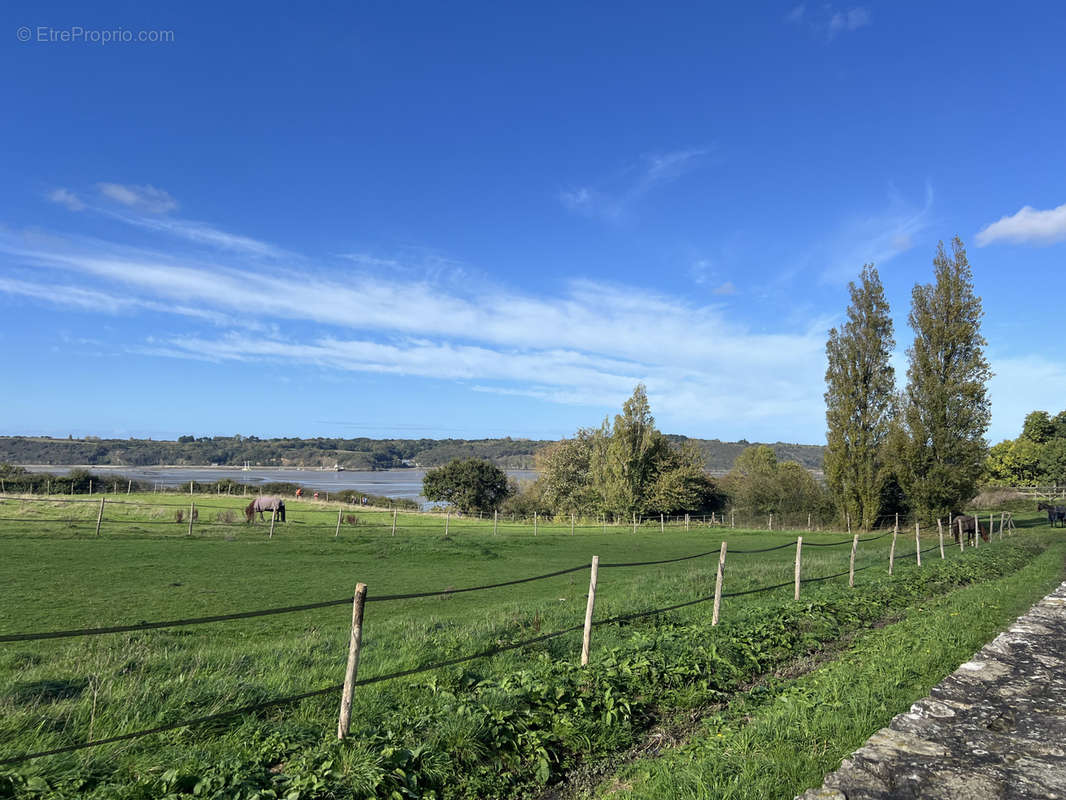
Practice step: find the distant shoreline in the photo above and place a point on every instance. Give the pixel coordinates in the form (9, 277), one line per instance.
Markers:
(230, 468)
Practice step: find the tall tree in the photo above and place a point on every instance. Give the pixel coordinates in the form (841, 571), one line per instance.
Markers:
(946, 409)
(626, 467)
(859, 400)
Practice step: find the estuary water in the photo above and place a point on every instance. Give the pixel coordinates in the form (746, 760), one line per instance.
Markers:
(391, 483)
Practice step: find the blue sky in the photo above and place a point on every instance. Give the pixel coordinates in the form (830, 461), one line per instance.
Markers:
(399, 219)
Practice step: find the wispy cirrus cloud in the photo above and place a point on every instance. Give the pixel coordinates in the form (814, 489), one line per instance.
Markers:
(147, 207)
(875, 238)
(65, 197)
(617, 198)
(850, 20)
(145, 198)
(585, 344)
(827, 21)
(1028, 226)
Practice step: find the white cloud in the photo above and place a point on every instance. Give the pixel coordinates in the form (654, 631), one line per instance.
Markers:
(1028, 226)
(726, 288)
(141, 198)
(65, 197)
(873, 239)
(587, 344)
(850, 20)
(626, 189)
(204, 234)
(828, 22)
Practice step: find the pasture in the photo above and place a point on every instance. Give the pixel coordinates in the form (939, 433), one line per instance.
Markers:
(501, 725)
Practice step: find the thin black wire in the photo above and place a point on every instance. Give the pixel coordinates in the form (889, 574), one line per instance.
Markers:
(764, 549)
(173, 623)
(412, 595)
(662, 561)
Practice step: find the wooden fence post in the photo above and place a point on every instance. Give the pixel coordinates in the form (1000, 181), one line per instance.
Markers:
(917, 544)
(273, 519)
(129, 486)
(851, 563)
(534, 523)
(976, 531)
(732, 519)
(586, 639)
(808, 520)
(940, 533)
(718, 585)
(686, 526)
(571, 524)
(848, 516)
(100, 516)
(338, 533)
(495, 520)
(634, 522)
(90, 487)
(192, 508)
(799, 551)
(770, 524)
(355, 642)
(662, 524)
(190, 488)
(962, 536)
(447, 522)
(892, 551)
(1001, 515)
(394, 522)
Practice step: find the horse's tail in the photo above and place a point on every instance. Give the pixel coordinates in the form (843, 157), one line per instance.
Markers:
(281, 510)
(249, 512)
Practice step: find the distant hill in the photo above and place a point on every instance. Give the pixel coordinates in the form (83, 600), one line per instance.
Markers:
(320, 452)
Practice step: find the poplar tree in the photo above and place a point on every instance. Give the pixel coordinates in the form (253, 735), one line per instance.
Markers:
(859, 400)
(946, 409)
(624, 466)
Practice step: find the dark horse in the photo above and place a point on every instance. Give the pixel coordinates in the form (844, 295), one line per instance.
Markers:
(261, 504)
(1054, 513)
(969, 526)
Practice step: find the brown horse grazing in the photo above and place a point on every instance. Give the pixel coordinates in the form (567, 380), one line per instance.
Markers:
(967, 529)
(1054, 513)
(261, 504)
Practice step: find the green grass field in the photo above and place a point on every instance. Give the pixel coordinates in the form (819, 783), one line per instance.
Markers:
(412, 736)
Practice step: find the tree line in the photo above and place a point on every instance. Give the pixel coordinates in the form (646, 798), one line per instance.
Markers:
(1036, 458)
(920, 450)
(627, 468)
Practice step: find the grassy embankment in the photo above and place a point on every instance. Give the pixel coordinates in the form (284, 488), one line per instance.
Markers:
(782, 737)
(501, 725)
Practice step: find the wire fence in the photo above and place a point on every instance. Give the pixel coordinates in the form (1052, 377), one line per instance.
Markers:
(353, 681)
(110, 513)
